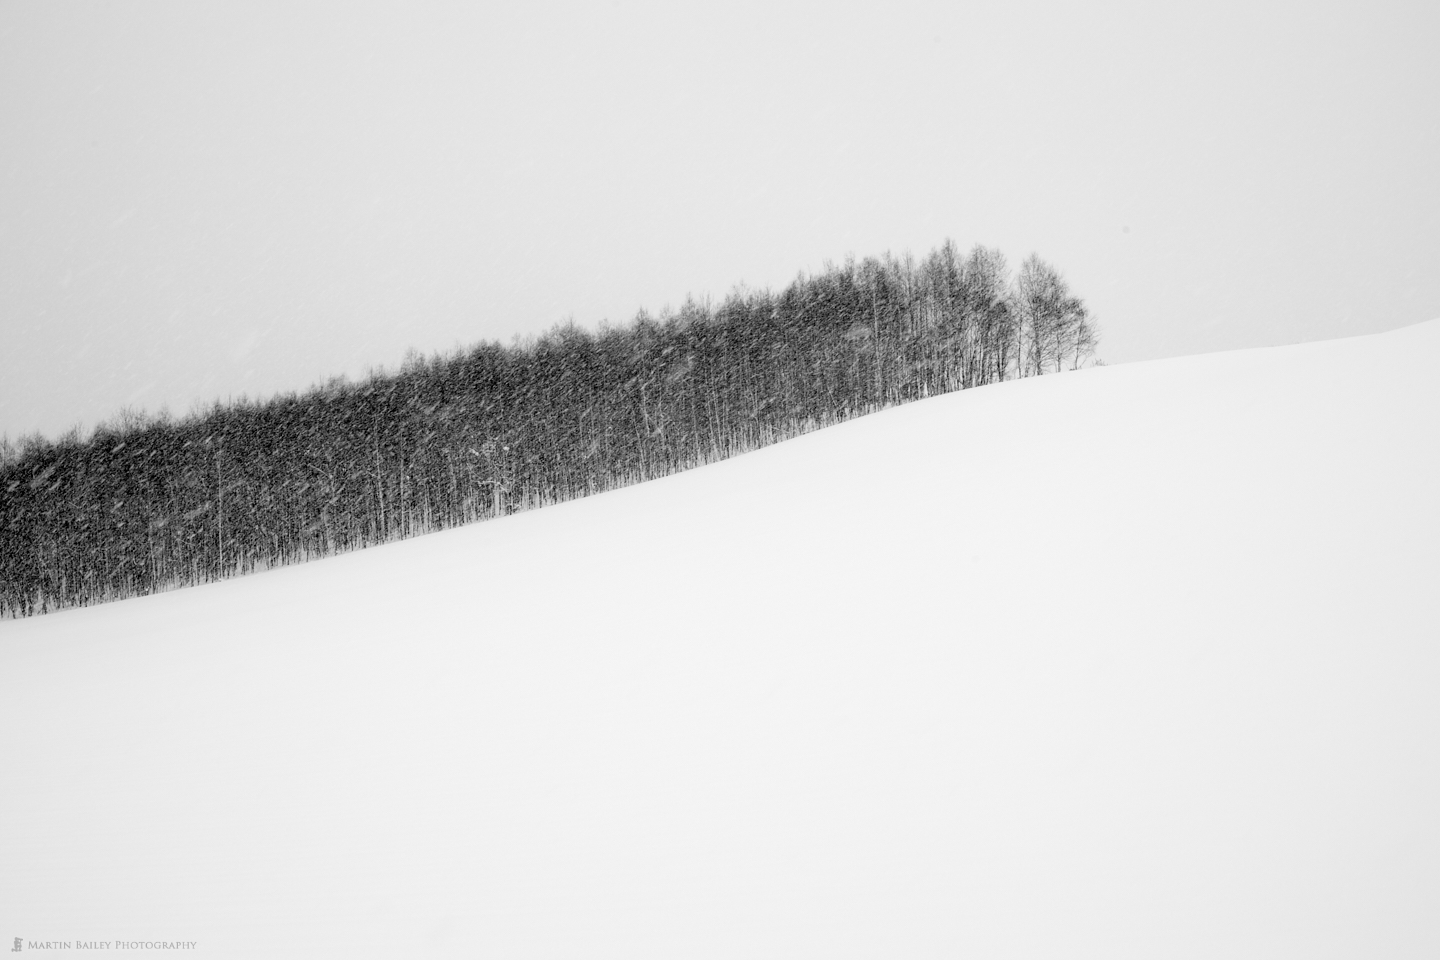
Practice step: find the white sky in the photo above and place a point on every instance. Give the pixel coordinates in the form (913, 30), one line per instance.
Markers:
(203, 200)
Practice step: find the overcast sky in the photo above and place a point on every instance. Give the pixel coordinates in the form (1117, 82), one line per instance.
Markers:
(204, 200)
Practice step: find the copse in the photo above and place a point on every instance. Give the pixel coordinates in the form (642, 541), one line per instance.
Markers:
(150, 503)
(1054, 326)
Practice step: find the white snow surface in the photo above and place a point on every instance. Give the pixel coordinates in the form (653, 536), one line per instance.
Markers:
(1135, 662)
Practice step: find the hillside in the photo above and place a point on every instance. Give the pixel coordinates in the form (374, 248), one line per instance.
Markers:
(1134, 661)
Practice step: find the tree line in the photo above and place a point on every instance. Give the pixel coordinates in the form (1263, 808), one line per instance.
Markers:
(147, 503)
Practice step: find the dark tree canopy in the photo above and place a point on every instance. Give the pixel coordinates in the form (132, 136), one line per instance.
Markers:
(149, 503)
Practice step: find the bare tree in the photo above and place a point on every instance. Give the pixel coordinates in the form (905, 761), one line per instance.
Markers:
(147, 501)
(1054, 323)
(989, 315)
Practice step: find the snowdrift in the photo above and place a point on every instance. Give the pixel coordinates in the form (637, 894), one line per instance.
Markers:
(1131, 662)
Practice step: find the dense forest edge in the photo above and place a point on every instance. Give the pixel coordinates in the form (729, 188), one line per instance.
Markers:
(149, 503)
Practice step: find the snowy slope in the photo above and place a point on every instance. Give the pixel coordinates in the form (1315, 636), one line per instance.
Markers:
(1141, 661)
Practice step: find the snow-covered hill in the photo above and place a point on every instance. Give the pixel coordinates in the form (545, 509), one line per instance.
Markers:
(1140, 661)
